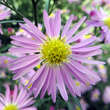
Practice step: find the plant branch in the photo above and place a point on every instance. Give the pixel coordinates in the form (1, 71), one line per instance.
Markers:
(35, 4)
(5, 3)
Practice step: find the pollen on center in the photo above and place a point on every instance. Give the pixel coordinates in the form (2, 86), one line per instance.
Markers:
(10, 107)
(55, 51)
(107, 22)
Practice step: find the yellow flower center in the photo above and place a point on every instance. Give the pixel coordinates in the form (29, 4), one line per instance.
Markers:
(5, 61)
(55, 51)
(78, 108)
(96, 95)
(10, 107)
(77, 83)
(107, 22)
(101, 66)
(87, 36)
(26, 82)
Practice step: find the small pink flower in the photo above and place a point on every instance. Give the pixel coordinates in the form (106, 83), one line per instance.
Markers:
(52, 108)
(95, 95)
(10, 30)
(106, 95)
(100, 18)
(4, 12)
(18, 100)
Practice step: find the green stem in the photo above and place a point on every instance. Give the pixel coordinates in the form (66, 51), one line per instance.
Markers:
(35, 8)
(11, 21)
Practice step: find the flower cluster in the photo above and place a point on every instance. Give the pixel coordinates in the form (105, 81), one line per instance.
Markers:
(17, 99)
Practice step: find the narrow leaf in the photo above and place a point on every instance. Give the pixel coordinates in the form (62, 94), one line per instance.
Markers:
(47, 4)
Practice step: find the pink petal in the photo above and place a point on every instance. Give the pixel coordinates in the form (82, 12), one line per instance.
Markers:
(38, 73)
(67, 25)
(80, 34)
(85, 60)
(7, 94)
(38, 84)
(15, 93)
(34, 29)
(24, 40)
(89, 54)
(86, 49)
(70, 82)
(84, 43)
(53, 86)
(22, 71)
(60, 84)
(57, 24)
(75, 28)
(46, 23)
(28, 60)
(46, 85)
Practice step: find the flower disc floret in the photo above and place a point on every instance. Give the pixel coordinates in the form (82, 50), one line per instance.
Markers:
(55, 51)
(107, 22)
(11, 107)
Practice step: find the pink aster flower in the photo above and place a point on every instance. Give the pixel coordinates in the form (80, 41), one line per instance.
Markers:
(81, 86)
(61, 62)
(102, 72)
(4, 12)
(100, 18)
(106, 95)
(84, 104)
(19, 99)
(2, 74)
(95, 95)
(4, 60)
(52, 108)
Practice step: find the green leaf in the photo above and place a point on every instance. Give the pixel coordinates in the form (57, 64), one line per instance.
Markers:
(77, 102)
(70, 106)
(74, 104)
(106, 47)
(106, 53)
(4, 48)
(39, 102)
(47, 4)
